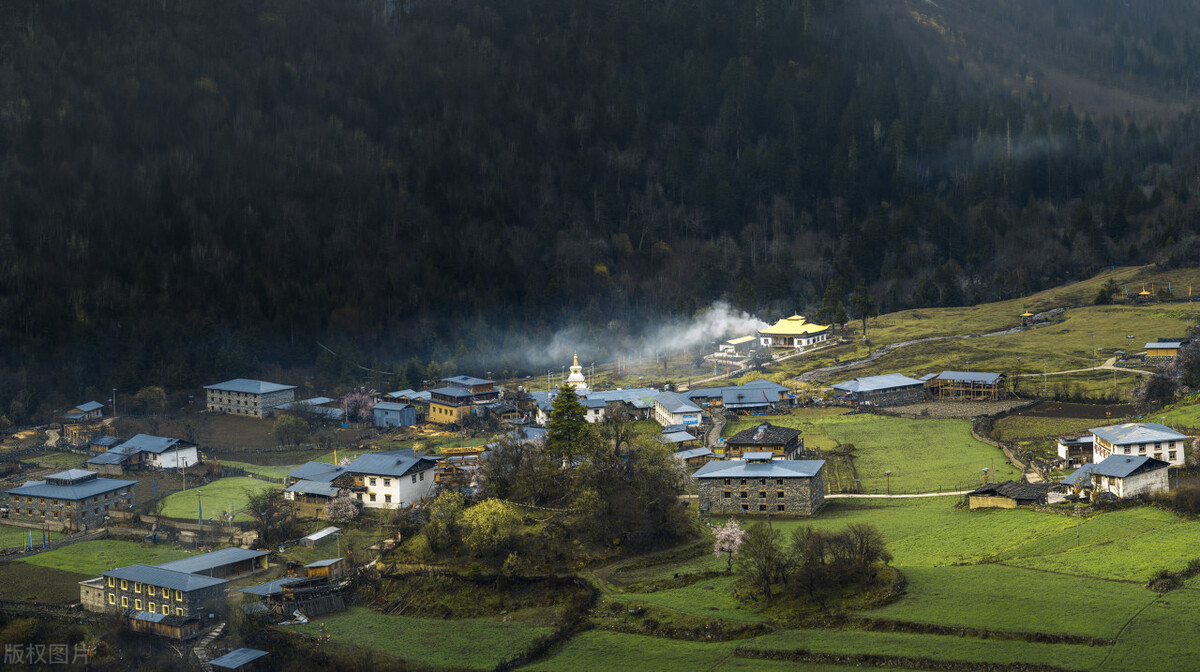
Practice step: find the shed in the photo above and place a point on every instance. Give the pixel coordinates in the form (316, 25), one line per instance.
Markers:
(1008, 495)
(331, 568)
(238, 659)
(391, 414)
(321, 536)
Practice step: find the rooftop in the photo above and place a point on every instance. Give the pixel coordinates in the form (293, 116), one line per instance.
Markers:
(875, 383)
(72, 475)
(1014, 490)
(390, 463)
(390, 406)
(163, 577)
(88, 407)
(970, 377)
(325, 563)
(248, 386)
(675, 437)
(675, 403)
(1081, 476)
(1137, 432)
(207, 561)
(772, 469)
(693, 452)
(270, 587)
(147, 443)
(466, 380)
(317, 471)
(82, 490)
(794, 325)
(1123, 466)
(314, 488)
(237, 658)
(452, 392)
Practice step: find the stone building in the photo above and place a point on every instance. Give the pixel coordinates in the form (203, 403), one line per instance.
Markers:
(157, 590)
(68, 499)
(248, 397)
(783, 442)
(762, 487)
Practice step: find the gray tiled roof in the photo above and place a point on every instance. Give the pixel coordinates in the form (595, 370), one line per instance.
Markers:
(876, 383)
(675, 403)
(237, 658)
(317, 471)
(72, 474)
(96, 486)
(773, 469)
(270, 587)
(452, 392)
(692, 452)
(390, 463)
(207, 561)
(1137, 432)
(1123, 466)
(247, 386)
(1014, 490)
(1081, 476)
(148, 443)
(314, 488)
(970, 377)
(675, 437)
(88, 407)
(113, 456)
(166, 578)
(466, 380)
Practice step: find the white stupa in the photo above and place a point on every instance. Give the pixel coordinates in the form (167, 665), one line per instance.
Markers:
(576, 379)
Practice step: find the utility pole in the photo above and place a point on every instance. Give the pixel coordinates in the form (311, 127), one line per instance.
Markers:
(1077, 510)
(1093, 335)
(114, 402)
(199, 511)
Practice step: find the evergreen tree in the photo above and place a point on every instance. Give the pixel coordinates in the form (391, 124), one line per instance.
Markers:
(567, 431)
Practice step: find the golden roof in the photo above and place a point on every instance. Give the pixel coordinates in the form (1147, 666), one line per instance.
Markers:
(793, 326)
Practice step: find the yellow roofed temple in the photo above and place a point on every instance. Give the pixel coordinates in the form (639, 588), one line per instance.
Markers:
(793, 332)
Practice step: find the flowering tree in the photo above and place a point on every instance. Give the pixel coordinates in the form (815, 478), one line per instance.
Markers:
(357, 407)
(342, 508)
(729, 538)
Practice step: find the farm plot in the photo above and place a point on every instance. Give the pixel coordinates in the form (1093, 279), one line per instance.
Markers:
(224, 494)
(94, 557)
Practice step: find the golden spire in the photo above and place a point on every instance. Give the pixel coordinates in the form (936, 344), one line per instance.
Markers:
(576, 359)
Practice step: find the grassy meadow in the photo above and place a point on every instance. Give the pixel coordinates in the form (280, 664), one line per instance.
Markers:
(94, 557)
(215, 498)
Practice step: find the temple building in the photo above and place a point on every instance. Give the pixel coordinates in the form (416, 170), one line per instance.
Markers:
(793, 332)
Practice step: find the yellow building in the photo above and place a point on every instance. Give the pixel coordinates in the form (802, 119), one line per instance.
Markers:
(1164, 348)
(458, 397)
(793, 332)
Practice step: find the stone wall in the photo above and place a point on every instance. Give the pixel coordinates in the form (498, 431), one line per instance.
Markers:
(893, 397)
(800, 496)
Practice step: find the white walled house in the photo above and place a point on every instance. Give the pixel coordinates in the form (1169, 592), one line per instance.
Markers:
(675, 409)
(1129, 476)
(147, 450)
(1145, 439)
(242, 396)
(391, 479)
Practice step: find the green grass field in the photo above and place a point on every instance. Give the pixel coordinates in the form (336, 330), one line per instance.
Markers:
(11, 535)
(215, 498)
(59, 460)
(272, 470)
(923, 455)
(93, 557)
(473, 643)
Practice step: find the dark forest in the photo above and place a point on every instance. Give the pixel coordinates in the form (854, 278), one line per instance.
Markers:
(194, 189)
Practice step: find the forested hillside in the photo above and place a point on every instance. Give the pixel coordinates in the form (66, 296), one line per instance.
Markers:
(192, 187)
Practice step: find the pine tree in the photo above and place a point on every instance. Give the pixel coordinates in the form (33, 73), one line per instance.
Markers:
(567, 429)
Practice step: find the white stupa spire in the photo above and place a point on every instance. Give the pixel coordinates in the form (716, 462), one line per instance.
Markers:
(576, 379)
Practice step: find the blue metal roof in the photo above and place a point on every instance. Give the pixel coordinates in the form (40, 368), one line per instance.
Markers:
(876, 383)
(675, 437)
(96, 486)
(207, 561)
(147, 443)
(317, 471)
(736, 398)
(1122, 466)
(88, 407)
(773, 469)
(270, 587)
(970, 377)
(324, 563)
(247, 386)
(692, 452)
(314, 488)
(237, 658)
(165, 578)
(1081, 476)
(113, 456)
(452, 392)
(389, 406)
(108, 441)
(72, 474)
(466, 380)
(675, 403)
(1137, 432)
(390, 463)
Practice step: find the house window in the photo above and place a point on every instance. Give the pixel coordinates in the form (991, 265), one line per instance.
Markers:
(387, 482)
(762, 507)
(422, 475)
(762, 494)
(124, 584)
(728, 495)
(178, 611)
(729, 481)
(150, 591)
(745, 508)
(743, 494)
(179, 596)
(166, 608)
(137, 588)
(780, 508)
(124, 601)
(414, 478)
(1172, 455)
(743, 482)
(762, 481)
(372, 496)
(112, 599)
(111, 582)
(137, 604)
(387, 499)
(779, 481)
(360, 496)
(1142, 448)
(372, 481)
(779, 494)
(152, 608)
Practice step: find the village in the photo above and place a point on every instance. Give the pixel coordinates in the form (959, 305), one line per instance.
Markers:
(194, 536)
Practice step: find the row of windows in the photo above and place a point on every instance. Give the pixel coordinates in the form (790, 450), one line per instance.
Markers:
(762, 507)
(761, 481)
(762, 494)
(137, 588)
(65, 502)
(150, 606)
(387, 482)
